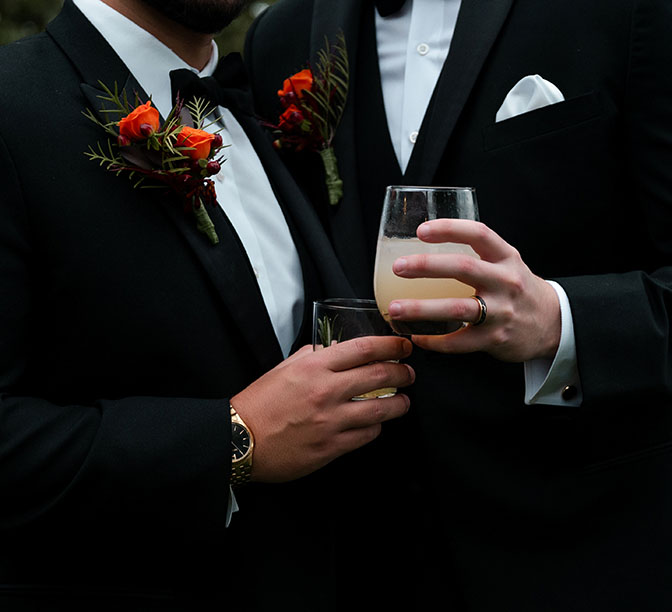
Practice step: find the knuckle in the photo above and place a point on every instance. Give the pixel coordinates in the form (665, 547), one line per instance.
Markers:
(515, 254)
(377, 414)
(417, 262)
(505, 314)
(499, 337)
(322, 450)
(467, 265)
(423, 261)
(309, 367)
(462, 311)
(364, 346)
(517, 284)
(379, 372)
(320, 395)
(483, 231)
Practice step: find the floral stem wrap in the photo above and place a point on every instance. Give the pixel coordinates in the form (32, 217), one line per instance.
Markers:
(334, 182)
(204, 223)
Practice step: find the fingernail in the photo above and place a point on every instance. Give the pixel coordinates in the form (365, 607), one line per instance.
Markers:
(399, 265)
(394, 309)
(412, 371)
(423, 231)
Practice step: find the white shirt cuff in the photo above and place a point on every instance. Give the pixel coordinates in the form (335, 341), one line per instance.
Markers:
(556, 382)
(233, 507)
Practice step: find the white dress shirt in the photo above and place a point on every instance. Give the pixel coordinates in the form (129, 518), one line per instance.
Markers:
(412, 47)
(243, 191)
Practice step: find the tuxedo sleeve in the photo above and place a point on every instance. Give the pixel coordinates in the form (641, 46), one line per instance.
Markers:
(622, 321)
(150, 462)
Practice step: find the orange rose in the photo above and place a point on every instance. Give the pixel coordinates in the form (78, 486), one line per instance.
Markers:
(141, 123)
(291, 117)
(199, 141)
(297, 83)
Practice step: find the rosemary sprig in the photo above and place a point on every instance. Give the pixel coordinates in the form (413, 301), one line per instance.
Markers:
(325, 330)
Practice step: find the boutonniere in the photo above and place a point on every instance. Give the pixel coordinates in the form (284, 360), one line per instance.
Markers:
(313, 101)
(179, 154)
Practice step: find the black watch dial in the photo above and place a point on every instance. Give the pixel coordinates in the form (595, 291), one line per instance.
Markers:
(240, 441)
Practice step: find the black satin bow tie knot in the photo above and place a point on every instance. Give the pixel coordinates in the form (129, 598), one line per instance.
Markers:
(229, 75)
(388, 7)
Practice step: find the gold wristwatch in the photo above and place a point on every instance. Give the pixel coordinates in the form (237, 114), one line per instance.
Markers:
(242, 447)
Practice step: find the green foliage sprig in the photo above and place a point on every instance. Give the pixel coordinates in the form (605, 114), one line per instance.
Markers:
(179, 154)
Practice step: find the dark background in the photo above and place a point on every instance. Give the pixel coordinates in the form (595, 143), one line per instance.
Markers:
(19, 18)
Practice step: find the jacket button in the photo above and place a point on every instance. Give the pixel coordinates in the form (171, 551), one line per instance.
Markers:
(569, 393)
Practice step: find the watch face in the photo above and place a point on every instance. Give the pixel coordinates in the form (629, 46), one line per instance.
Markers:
(240, 441)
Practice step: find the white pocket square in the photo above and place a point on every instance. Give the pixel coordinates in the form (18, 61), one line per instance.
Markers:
(528, 94)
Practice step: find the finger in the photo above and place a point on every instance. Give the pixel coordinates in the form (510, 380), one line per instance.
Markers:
(465, 268)
(360, 351)
(449, 309)
(352, 439)
(487, 243)
(378, 375)
(365, 413)
(467, 340)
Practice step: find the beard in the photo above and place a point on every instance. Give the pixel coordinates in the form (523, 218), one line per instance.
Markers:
(204, 16)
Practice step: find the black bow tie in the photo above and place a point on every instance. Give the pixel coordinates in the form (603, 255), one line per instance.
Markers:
(229, 75)
(388, 7)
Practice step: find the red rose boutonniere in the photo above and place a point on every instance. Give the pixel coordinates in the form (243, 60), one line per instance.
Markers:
(313, 101)
(179, 154)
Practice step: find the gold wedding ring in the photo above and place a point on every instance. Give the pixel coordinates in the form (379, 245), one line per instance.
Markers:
(484, 310)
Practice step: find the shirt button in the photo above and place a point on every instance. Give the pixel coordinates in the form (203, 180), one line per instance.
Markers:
(413, 136)
(256, 272)
(569, 393)
(423, 48)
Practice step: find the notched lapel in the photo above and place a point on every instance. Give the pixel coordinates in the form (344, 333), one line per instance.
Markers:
(478, 25)
(95, 95)
(226, 263)
(232, 275)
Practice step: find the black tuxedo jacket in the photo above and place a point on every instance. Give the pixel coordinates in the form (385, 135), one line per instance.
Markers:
(123, 331)
(527, 507)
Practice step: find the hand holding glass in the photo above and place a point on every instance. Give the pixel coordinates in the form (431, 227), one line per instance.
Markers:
(404, 209)
(340, 319)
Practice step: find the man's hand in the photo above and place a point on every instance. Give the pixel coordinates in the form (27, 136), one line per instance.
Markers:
(523, 313)
(301, 413)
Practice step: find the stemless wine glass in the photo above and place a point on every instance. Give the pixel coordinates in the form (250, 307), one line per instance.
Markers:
(405, 208)
(341, 319)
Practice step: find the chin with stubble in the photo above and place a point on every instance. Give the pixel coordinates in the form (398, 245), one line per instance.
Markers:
(205, 16)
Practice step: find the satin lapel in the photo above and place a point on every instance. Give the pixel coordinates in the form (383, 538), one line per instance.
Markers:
(301, 215)
(345, 219)
(323, 275)
(478, 25)
(226, 263)
(231, 273)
